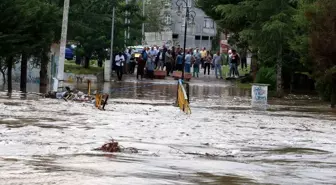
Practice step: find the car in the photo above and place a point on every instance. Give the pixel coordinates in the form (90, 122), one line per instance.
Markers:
(137, 51)
(69, 54)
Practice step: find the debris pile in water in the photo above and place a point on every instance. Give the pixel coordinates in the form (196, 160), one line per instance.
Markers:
(100, 100)
(111, 146)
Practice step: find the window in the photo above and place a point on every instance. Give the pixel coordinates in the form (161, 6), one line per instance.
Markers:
(205, 37)
(208, 23)
(197, 37)
(168, 19)
(175, 36)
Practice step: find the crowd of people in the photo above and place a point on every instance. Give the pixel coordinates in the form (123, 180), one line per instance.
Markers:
(171, 59)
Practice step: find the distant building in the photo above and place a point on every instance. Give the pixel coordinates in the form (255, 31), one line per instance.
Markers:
(198, 35)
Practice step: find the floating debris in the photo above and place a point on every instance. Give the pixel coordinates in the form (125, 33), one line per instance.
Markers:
(111, 146)
(114, 147)
(98, 99)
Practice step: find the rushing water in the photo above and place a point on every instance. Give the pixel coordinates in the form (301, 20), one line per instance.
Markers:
(223, 141)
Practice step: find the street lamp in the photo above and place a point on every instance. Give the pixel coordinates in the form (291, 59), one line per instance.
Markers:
(189, 19)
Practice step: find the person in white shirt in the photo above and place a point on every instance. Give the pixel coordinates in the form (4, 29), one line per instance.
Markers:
(119, 60)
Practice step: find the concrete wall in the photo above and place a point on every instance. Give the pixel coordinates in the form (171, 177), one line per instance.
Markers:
(159, 38)
(33, 72)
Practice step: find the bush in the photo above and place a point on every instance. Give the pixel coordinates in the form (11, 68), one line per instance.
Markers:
(324, 88)
(266, 75)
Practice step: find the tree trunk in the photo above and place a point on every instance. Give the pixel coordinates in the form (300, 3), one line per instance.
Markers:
(254, 66)
(24, 68)
(9, 63)
(333, 91)
(44, 71)
(291, 85)
(3, 76)
(87, 61)
(279, 73)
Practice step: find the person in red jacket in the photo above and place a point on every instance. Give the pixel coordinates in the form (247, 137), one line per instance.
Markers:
(141, 67)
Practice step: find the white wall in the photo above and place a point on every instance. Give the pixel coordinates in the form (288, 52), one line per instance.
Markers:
(159, 38)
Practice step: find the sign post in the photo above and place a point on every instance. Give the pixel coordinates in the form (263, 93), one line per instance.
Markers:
(259, 96)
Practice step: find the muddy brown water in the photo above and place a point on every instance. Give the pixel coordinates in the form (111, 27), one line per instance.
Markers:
(223, 141)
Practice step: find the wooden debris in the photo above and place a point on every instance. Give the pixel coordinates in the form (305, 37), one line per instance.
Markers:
(114, 147)
(111, 146)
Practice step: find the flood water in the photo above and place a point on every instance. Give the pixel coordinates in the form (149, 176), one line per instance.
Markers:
(223, 141)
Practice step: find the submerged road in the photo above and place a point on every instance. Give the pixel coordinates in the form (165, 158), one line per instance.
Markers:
(223, 141)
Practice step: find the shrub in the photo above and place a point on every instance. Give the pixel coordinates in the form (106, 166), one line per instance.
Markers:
(323, 87)
(266, 75)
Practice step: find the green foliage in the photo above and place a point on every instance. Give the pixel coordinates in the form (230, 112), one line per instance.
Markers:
(324, 88)
(266, 76)
(71, 67)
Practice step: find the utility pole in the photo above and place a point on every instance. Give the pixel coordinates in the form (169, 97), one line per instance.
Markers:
(108, 66)
(112, 34)
(60, 71)
(126, 22)
(143, 24)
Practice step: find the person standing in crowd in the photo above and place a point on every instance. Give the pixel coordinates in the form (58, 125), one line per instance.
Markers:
(173, 53)
(141, 67)
(160, 58)
(197, 63)
(235, 59)
(152, 53)
(218, 65)
(207, 63)
(157, 60)
(243, 61)
(132, 63)
(168, 61)
(213, 61)
(179, 61)
(231, 71)
(187, 64)
(144, 54)
(178, 48)
(150, 67)
(119, 59)
(128, 60)
(125, 62)
(195, 51)
(164, 51)
(204, 55)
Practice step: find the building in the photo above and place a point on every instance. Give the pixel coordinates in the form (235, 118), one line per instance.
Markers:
(199, 33)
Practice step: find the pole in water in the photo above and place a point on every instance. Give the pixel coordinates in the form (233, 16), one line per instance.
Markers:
(185, 40)
(105, 101)
(89, 87)
(60, 72)
(187, 88)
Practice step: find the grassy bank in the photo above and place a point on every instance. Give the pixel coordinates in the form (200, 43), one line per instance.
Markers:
(71, 67)
(226, 70)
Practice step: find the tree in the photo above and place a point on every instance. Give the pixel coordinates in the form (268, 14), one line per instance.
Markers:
(261, 24)
(90, 26)
(323, 46)
(153, 18)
